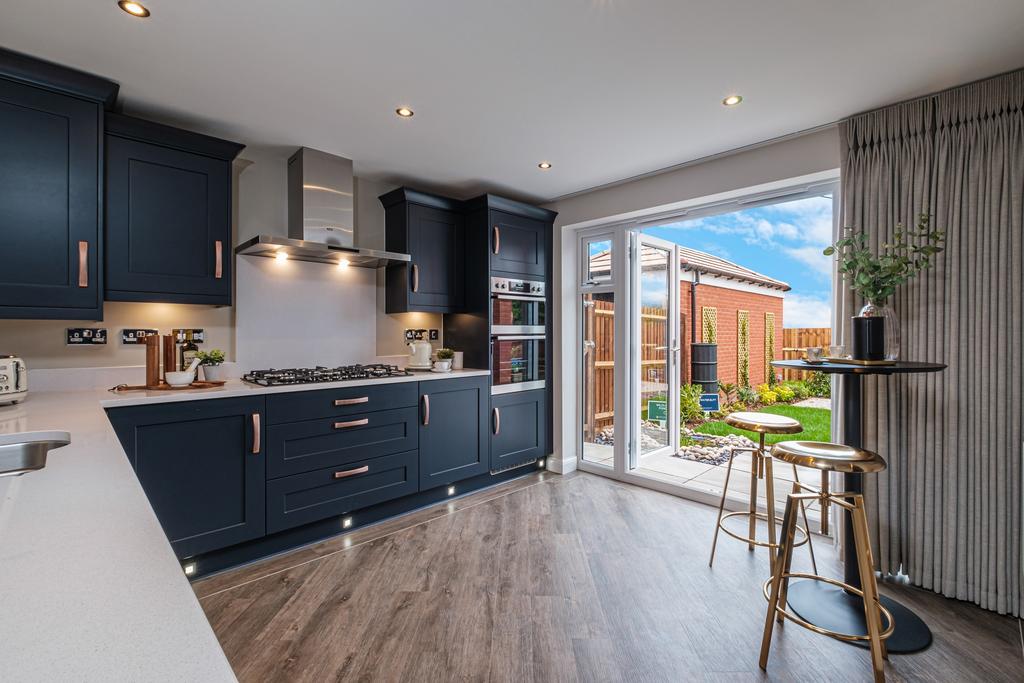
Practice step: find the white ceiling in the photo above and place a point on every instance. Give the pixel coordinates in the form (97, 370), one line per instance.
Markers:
(604, 89)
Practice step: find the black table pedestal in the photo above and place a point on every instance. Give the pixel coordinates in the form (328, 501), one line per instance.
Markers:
(833, 608)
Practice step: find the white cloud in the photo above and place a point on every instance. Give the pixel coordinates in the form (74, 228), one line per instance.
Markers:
(799, 310)
(812, 258)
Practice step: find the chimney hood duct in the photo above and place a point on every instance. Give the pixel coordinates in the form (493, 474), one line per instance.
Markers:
(321, 216)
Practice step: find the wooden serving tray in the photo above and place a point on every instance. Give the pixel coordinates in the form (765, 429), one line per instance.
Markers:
(164, 386)
(854, 361)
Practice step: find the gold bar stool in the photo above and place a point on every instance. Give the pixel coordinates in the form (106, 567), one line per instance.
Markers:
(760, 468)
(828, 457)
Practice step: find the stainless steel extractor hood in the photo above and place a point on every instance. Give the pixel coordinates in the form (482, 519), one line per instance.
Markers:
(321, 216)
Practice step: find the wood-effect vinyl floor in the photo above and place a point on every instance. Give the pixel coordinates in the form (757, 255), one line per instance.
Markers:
(549, 578)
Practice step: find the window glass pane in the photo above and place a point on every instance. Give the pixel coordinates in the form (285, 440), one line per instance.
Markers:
(598, 415)
(598, 267)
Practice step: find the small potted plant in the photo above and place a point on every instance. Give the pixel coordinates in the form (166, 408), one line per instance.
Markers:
(875, 277)
(444, 360)
(212, 362)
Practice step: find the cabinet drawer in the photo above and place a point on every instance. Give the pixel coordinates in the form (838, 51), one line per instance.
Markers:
(312, 444)
(307, 405)
(311, 496)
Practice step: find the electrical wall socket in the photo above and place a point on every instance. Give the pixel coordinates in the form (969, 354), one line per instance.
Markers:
(135, 335)
(197, 334)
(86, 336)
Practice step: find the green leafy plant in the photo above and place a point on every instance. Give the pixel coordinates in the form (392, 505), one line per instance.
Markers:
(875, 277)
(445, 354)
(819, 384)
(689, 402)
(211, 357)
(799, 389)
(747, 395)
(728, 391)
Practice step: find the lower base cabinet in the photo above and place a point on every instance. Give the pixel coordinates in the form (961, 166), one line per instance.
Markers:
(202, 467)
(517, 428)
(453, 430)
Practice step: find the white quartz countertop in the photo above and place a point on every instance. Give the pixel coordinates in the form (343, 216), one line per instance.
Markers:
(90, 589)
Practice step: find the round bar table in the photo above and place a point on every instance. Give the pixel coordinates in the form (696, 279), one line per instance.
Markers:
(827, 606)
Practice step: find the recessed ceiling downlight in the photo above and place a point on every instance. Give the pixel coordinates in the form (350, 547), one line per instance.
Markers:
(133, 8)
(732, 100)
(544, 165)
(405, 112)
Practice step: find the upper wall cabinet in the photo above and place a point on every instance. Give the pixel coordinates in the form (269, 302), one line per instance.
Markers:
(51, 123)
(518, 235)
(431, 230)
(168, 214)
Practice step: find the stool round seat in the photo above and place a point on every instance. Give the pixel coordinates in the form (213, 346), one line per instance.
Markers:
(764, 423)
(830, 457)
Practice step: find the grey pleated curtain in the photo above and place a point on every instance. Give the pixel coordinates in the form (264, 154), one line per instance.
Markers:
(947, 512)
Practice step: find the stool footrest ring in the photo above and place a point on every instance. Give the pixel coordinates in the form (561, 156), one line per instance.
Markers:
(886, 614)
(763, 516)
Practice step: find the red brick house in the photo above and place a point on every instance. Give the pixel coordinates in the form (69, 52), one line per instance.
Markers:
(723, 302)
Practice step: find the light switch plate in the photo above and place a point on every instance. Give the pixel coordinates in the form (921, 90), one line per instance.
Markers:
(86, 336)
(135, 335)
(435, 335)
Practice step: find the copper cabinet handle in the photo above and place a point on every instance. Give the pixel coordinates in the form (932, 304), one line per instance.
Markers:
(351, 401)
(218, 254)
(497, 421)
(256, 433)
(352, 423)
(415, 278)
(83, 263)
(426, 409)
(497, 239)
(351, 473)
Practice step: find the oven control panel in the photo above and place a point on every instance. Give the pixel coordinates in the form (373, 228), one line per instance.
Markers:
(507, 285)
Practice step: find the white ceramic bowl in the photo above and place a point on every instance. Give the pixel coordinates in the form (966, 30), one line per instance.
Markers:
(179, 379)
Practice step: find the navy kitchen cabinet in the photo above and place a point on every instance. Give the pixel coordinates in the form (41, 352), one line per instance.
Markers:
(518, 428)
(168, 214)
(518, 245)
(431, 229)
(51, 122)
(202, 466)
(453, 430)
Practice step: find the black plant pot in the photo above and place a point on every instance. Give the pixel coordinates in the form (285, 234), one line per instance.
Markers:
(868, 338)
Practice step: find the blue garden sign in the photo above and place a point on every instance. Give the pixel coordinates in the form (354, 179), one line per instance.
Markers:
(709, 403)
(657, 411)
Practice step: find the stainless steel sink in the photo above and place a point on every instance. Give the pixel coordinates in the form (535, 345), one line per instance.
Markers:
(25, 452)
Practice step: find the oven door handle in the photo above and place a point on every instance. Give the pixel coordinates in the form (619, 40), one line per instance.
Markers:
(520, 297)
(518, 337)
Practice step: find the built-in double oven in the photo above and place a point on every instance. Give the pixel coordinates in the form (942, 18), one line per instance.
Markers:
(518, 327)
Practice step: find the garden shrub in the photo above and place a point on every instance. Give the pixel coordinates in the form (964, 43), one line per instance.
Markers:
(689, 402)
(767, 395)
(799, 389)
(819, 385)
(746, 395)
(784, 393)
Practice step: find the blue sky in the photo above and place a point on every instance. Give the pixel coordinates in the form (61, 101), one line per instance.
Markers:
(783, 241)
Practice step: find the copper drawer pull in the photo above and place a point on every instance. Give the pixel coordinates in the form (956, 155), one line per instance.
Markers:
(415, 278)
(351, 401)
(218, 254)
(426, 409)
(497, 421)
(351, 473)
(83, 264)
(256, 433)
(497, 239)
(352, 423)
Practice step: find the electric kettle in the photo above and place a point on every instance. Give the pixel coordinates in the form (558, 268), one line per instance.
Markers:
(419, 355)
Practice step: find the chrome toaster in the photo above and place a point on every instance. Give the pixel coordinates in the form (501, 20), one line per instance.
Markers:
(13, 379)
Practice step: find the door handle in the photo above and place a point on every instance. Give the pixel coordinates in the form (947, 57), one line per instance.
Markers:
(218, 255)
(497, 421)
(351, 473)
(426, 409)
(352, 423)
(351, 401)
(256, 433)
(415, 278)
(83, 263)
(497, 239)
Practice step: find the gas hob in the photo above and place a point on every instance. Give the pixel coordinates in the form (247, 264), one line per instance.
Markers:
(320, 374)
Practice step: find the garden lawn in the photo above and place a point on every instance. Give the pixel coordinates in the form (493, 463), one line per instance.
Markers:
(817, 423)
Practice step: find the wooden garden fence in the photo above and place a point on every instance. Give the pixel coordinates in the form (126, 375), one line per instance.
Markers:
(796, 339)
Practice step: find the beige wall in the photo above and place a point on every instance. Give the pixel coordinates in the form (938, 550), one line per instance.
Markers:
(750, 167)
